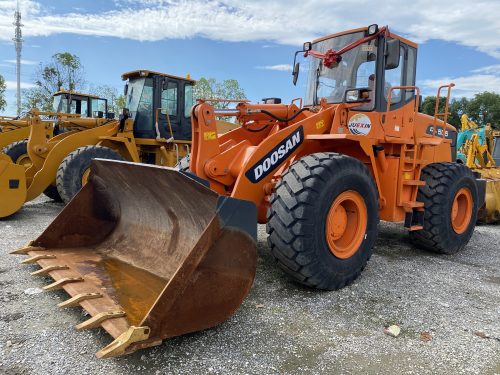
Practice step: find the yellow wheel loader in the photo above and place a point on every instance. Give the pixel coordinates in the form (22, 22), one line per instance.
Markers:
(155, 129)
(479, 149)
(65, 104)
(151, 252)
(69, 107)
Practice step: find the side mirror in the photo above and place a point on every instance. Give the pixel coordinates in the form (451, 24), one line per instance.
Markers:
(295, 73)
(125, 89)
(420, 106)
(392, 52)
(357, 95)
(307, 46)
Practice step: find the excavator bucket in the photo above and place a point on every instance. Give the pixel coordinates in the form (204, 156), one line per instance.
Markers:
(149, 253)
(12, 186)
(490, 213)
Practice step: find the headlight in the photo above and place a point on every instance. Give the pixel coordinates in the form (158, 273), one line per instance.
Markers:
(372, 29)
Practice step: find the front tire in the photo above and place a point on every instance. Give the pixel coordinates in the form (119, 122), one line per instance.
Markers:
(18, 152)
(74, 169)
(450, 200)
(323, 220)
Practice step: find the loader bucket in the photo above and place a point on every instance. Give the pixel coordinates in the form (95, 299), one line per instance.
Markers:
(12, 186)
(149, 253)
(490, 213)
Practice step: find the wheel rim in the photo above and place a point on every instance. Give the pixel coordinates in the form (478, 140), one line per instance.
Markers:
(461, 210)
(85, 176)
(24, 160)
(346, 224)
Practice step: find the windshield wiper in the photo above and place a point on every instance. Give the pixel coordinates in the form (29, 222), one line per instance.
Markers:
(315, 99)
(332, 58)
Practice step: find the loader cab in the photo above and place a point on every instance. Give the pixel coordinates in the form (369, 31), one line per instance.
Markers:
(84, 105)
(156, 98)
(364, 73)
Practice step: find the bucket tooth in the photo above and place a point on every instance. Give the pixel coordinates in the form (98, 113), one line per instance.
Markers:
(36, 258)
(96, 320)
(46, 270)
(119, 346)
(75, 301)
(61, 282)
(26, 249)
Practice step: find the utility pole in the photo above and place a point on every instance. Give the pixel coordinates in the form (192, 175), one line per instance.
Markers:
(18, 42)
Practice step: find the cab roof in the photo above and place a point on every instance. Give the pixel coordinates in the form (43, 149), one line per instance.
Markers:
(391, 34)
(75, 93)
(148, 73)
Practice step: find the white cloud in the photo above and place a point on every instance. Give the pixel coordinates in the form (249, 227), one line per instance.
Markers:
(12, 85)
(279, 67)
(24, 62)
(473, 24)
(465, 86)
(491, 69)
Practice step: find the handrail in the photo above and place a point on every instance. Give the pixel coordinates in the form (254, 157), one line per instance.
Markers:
(446, 107)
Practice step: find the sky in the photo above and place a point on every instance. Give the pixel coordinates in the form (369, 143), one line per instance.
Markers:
(250, 41)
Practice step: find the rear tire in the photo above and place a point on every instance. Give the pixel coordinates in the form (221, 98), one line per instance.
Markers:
(449, 187)
(76, 165)
(299, 228)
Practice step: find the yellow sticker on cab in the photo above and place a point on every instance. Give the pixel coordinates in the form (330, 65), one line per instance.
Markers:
(209, 136)
(320, 124)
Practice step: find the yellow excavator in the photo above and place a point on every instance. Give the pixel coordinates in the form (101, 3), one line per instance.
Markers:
(478, 147)
(155, 129)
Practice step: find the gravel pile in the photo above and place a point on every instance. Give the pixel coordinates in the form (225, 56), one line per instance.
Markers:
(447, 307)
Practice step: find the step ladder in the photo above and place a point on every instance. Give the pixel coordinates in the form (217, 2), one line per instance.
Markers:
(409, 179)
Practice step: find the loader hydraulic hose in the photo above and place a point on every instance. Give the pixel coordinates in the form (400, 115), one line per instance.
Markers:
(279, 118)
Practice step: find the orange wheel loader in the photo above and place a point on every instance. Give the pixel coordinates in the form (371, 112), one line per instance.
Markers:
(153, 252)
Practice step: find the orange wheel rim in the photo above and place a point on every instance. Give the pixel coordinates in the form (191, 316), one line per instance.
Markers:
(85, 176)
(461, 210)
(346, 224)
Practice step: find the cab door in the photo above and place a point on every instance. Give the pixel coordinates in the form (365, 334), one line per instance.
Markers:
(399, 119)
(168, 110)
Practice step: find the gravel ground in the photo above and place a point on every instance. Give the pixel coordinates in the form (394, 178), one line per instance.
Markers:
(281, 328)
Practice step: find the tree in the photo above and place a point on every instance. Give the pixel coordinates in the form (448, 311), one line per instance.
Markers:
(485, 108)
(3, 87)
(456, 108)
(115, 102)
(64, 71)
(211, 89)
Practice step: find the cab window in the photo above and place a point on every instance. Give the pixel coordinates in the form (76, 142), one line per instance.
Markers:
(394, 77)
(169, 99)
(144, 114)
(79, 107)
(188, 100)
(365, 78)
(411, 63)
